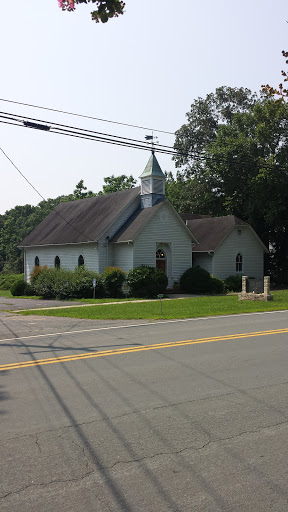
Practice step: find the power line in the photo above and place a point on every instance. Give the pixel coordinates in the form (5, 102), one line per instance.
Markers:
(39, 194)
(82, 133)
(86, 117)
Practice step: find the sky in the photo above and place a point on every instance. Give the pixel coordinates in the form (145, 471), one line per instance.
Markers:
(144, 68)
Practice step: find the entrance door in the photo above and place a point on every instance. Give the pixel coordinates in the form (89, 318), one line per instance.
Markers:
(161, 259)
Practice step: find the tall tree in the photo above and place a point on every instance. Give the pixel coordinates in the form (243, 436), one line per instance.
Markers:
(203, 122)
(116, 183)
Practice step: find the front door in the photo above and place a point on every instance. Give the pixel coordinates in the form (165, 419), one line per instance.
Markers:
(161, 259)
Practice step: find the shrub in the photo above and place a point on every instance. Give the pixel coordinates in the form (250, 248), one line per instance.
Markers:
(145, 281)
(20, 287)
(7, 280)
(198, 280)
(64, 284)
(113, 280)
(36, 272)
(233, 283)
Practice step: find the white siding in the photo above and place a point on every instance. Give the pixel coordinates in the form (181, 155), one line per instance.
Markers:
(68, 255)
(164, 228)
(245, 244)
(203, 260)
(123, 256)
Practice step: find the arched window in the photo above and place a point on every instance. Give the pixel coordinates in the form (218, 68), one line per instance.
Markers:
(37, 263)
(239, 262)
(80, 261)
(160, 255)
(57, 262)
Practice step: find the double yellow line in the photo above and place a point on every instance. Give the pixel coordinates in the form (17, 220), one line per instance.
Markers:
(129, 350)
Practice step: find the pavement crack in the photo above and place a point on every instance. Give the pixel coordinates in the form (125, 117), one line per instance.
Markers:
(46, 484)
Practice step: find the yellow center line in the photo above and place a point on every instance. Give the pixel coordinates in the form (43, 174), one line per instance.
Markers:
(128, 350)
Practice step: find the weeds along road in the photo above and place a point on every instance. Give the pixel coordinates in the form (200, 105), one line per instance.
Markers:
(178, 415)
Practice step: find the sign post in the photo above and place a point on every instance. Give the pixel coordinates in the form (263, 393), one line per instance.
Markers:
(160, 296)
(94, 287)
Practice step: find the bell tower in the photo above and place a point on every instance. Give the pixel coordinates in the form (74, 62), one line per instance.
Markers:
(152, 183)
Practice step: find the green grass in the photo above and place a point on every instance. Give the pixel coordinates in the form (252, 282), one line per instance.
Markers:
(173, 308)
(6, 293)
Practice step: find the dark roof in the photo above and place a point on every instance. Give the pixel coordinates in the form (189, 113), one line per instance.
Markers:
(136, 223)
(192, 216)
(211, 231)
(84, 220)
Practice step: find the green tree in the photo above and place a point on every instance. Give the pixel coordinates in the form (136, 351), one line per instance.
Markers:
(81, 191)
(105, 9)
(203, 122)
(116, 183)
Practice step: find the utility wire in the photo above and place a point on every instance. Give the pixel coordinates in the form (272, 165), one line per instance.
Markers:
(86, 117)
(39, 194)
(82, 133)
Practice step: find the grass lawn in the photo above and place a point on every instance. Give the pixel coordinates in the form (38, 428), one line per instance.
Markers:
(172, 308)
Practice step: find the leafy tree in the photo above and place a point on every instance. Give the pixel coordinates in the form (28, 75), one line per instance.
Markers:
(203, 121)
(105, 9)
(116, 183)
(281, 92)
(80, 191)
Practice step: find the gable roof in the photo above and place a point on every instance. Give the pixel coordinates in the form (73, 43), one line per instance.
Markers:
(139, 220)
(211, 231)
(84, 220)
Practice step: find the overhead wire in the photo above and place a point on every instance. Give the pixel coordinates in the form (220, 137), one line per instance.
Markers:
(39, 194)
(87, 117)
(82, 133)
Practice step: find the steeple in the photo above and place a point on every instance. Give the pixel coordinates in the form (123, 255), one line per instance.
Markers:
(152, 183)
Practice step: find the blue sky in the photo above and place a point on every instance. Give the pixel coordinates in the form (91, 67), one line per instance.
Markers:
(143, 68)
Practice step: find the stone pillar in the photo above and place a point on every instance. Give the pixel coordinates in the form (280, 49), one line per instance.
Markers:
(244, 284)
(266, 286)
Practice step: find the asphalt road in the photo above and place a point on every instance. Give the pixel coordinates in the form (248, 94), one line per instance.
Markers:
(139, 417)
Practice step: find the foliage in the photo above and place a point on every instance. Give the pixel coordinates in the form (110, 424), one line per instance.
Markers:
(281, 92)
(36, 272)
(20, 287)
(233, 283)
(113, 280)
(81, 192)
(105, 9)
(116, 183)
(7, 280)
(197, 280)
(145, 281)
(66, 284)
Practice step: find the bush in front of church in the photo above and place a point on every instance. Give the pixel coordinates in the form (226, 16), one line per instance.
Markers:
(114, 278)
(145, 281)
(65, 284)
(199, 281)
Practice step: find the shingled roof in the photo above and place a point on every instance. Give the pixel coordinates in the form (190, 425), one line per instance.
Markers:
(84, 220)
(211, 231)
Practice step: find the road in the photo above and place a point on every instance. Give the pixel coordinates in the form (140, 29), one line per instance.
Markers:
(95, 417)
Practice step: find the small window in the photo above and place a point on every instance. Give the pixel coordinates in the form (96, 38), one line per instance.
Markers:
(160, 255)
(57, 262)
(37, 263)
(239, 232)
(239, 262)
(80, 261)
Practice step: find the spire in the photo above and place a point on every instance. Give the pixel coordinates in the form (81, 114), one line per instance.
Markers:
(152, 183)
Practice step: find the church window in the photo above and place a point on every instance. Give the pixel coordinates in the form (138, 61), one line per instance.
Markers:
(239, 262)
(80, 261)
